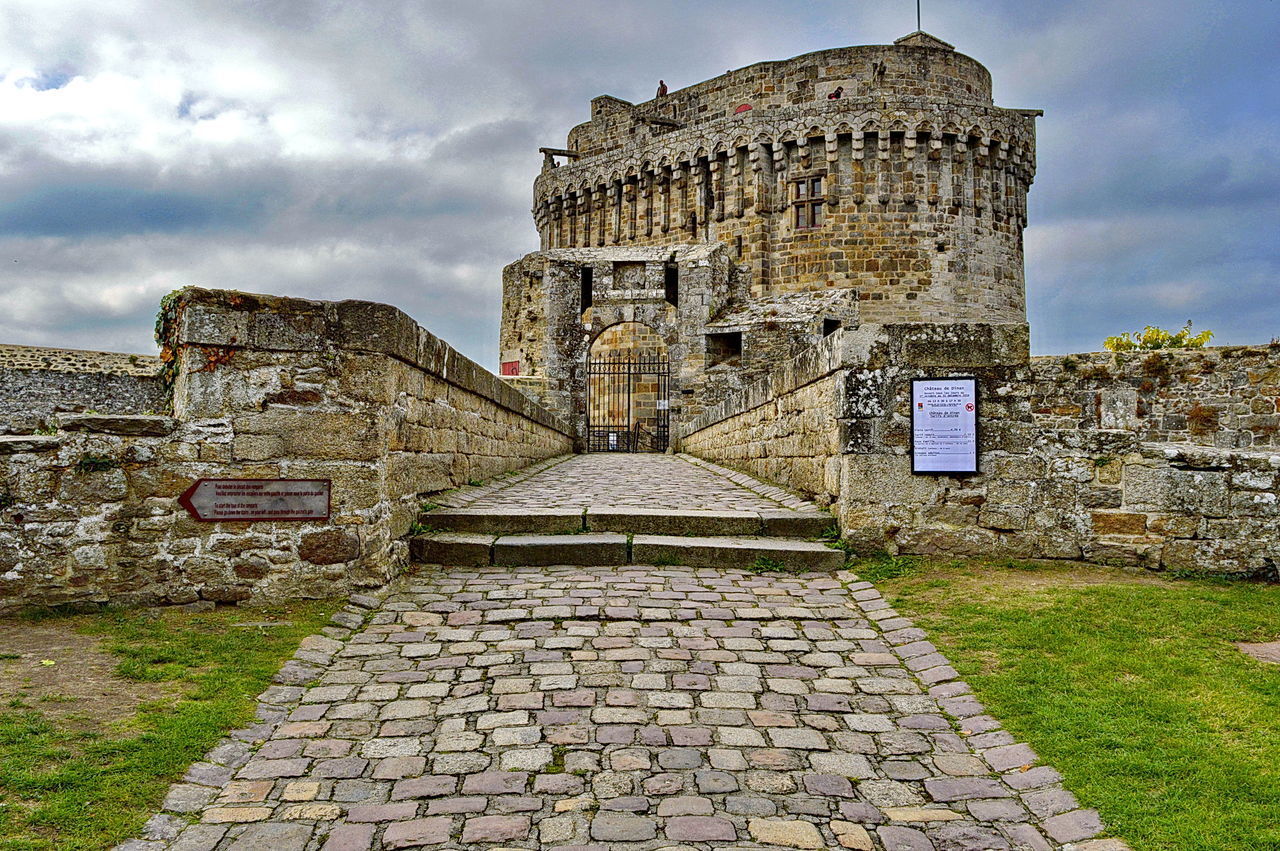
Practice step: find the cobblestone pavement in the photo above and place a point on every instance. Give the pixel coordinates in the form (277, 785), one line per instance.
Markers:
(620, 708)
(639, 481)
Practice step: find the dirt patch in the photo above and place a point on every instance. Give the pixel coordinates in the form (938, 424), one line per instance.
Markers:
(80, 689)
(1265, 652)
(977, 581)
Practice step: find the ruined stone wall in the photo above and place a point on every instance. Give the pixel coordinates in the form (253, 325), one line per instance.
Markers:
(1055, 482)
(41, 382)
(263, 387)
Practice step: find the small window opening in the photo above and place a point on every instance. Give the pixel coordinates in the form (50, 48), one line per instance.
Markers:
(806, 199)
(586, 277)
(671, 282)
(829, 326)
(724, 348)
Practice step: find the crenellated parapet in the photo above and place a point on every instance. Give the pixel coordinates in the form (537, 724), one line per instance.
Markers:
(741, 155)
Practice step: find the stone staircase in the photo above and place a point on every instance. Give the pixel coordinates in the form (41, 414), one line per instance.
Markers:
(477, 537)
(484, 529)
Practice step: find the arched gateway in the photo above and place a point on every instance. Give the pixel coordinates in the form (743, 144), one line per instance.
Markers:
(628, 384)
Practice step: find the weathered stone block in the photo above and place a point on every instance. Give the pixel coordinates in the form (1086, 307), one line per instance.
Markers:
(332, 546)
(1166, 490)
(1119, 523)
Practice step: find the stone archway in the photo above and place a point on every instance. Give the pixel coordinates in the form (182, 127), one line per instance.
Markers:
(627, 390)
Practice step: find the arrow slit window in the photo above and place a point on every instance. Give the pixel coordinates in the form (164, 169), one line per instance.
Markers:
(806, 200)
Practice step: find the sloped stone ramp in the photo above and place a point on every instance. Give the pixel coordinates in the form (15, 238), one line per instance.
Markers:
(621, 707)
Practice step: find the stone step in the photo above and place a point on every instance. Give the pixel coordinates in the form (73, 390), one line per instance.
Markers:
(461, 549)
(734, 552)
(504, 521)
(781, 523)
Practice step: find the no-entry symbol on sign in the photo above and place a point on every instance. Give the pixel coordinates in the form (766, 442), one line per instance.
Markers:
(241, 500)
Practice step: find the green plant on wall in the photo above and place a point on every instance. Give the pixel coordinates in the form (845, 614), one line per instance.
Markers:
(95, 464)
(1151, 338)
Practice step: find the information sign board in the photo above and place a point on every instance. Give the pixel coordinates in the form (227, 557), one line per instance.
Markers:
(944, 425)
(213, 500)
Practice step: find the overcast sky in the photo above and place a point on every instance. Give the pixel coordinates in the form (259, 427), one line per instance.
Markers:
(385, 150)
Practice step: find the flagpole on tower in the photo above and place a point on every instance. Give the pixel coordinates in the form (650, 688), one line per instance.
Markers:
(918, 27)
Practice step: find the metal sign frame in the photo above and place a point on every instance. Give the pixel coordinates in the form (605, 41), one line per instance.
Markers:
(186, 501)
(977, 414)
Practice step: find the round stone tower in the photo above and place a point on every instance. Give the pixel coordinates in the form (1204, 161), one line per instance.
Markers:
(882, 171)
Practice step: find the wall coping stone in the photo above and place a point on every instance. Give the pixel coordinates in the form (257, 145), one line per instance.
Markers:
(1222, 351)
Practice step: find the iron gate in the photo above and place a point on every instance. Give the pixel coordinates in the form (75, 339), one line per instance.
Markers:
(628, 403)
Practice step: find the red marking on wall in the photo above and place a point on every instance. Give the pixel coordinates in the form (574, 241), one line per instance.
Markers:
(510, 367)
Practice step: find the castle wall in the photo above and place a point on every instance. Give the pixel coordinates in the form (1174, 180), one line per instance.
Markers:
(263, 387)
(1074, 466)
(42, 382)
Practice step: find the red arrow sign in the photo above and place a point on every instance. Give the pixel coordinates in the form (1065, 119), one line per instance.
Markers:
(241, 500)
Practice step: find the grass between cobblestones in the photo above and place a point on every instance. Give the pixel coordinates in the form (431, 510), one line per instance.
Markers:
(74, 782)
(1128, 684)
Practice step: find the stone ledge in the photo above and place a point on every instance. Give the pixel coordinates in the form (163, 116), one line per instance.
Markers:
(125, 424)
(1196, 457)
(15, 444)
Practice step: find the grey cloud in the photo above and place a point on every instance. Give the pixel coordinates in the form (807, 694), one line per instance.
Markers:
(1154, 199)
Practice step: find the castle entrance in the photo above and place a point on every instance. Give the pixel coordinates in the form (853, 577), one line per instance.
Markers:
(628, 391)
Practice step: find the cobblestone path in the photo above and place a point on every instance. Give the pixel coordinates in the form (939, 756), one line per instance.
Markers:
(620, 708)
(639, 481)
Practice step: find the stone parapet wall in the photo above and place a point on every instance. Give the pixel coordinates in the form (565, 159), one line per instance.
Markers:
(792, 440)
(1225, 396)
(1091, 485)
(263, 387)
(41, 382)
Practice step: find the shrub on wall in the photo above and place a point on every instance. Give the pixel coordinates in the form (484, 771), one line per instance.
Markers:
(1151, 337)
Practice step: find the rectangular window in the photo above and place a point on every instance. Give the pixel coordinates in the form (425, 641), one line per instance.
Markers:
(807, 198)
(724, 348)
(671, 281)
(587, 275)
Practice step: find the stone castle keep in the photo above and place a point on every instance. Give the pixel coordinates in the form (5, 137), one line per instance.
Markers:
(750, 271)
(743, 217)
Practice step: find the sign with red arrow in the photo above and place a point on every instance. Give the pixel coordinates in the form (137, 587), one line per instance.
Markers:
(247, 500)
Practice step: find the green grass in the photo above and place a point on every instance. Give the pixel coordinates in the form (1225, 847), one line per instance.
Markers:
(79, 786)
(1128, 685)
